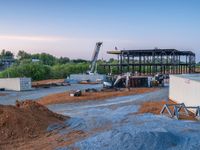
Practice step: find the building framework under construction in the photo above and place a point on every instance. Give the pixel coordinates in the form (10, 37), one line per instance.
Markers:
(152, 61)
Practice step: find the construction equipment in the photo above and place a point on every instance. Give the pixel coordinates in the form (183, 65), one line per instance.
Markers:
(119, 81)
(94, 58)
(108, 82)
(160, 79)
(75, 93)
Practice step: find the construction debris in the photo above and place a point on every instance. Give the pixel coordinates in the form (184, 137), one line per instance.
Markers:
(176, 111)
(75, 93)
(91, 90)
(49, 83)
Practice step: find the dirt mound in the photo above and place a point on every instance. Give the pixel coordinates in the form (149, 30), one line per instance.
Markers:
(48, 82)
(26, 120)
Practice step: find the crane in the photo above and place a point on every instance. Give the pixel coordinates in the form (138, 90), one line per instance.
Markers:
(94, 57)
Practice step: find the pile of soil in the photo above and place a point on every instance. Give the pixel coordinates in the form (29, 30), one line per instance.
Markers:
(156, 106)
(86, 96)
(26, 120)
(46, 82)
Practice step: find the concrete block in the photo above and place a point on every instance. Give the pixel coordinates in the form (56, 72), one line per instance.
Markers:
(16, 84)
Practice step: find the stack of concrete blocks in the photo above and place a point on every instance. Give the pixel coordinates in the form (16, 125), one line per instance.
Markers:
(16, 84)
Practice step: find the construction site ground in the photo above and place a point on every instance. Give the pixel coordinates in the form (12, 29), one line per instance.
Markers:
(50, 81)
(117, 123)
(9, 97)
(65, 97)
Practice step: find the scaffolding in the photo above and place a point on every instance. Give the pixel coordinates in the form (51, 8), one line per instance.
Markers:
(153, 61)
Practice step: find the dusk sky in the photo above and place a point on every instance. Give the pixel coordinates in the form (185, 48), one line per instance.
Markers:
(72, 27)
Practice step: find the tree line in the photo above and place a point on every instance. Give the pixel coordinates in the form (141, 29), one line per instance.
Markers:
(41, 66)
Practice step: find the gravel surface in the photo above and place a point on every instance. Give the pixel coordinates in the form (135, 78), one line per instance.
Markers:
(113, 125)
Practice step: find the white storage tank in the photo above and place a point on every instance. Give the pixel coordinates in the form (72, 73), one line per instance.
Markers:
(185, 88)
(16, 84)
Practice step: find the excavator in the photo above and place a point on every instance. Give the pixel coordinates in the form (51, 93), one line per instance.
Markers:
(94, 58)
(120, 80)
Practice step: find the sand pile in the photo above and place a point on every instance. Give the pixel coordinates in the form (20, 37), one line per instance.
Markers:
(25, 121)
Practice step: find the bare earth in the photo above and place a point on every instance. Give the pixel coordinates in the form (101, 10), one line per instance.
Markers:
(155, 108)
(46, 82)
(25, 122)
(88, 96)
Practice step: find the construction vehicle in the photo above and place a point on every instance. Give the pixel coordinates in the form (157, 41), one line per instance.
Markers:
(160, 79)
(127, 80)
(118, 81)
(94, 58)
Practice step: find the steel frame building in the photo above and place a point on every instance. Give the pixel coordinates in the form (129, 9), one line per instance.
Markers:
(152, 61)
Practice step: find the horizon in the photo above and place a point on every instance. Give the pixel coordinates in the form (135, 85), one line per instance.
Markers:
(66, 28)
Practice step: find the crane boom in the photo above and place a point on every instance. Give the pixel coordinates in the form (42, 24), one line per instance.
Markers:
(95, 56)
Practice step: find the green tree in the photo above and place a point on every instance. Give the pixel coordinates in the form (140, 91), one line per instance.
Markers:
(6, 54)
(63, 60)
(36, 71)
(23, 55)
(45, 58)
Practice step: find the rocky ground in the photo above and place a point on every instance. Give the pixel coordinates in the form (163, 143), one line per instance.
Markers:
(115, 124)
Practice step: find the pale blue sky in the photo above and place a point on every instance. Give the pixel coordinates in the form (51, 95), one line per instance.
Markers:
(71, 27)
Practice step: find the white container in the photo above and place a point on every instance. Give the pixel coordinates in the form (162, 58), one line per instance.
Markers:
(185, 89)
